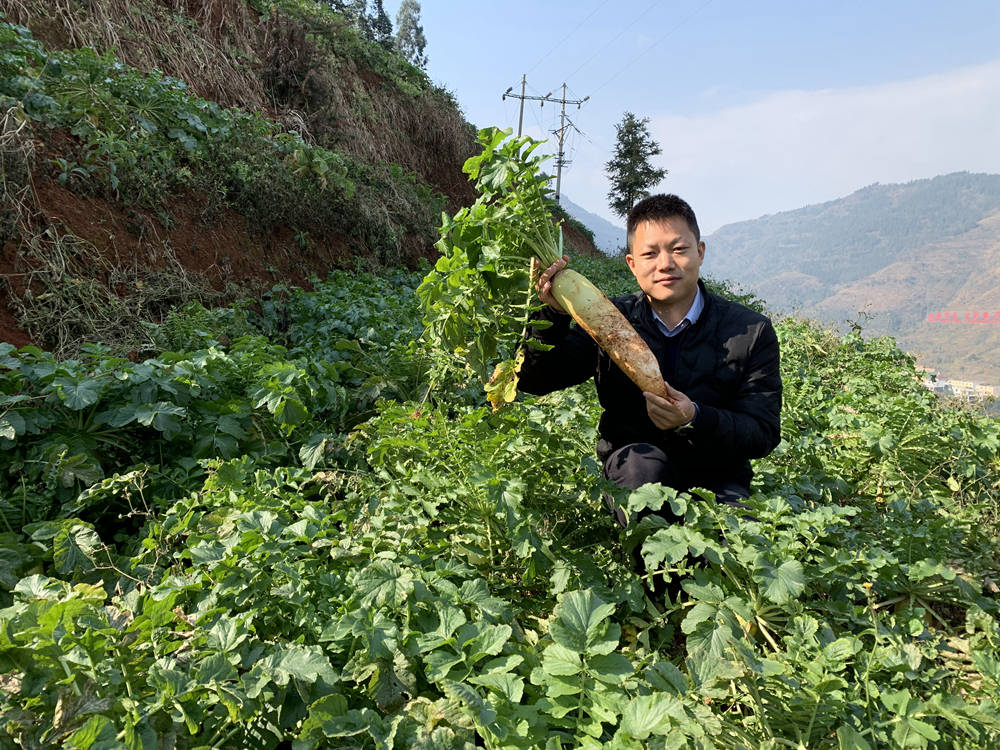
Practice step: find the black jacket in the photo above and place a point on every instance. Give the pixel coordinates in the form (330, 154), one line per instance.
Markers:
(727, 363)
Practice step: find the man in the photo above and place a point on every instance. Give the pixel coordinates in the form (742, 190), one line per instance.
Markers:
(719, 359)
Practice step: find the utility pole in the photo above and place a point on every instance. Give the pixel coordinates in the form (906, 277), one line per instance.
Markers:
(520, 114)
(540, 99)
(561, 156)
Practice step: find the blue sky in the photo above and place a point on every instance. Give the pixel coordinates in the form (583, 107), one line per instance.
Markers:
(759, 107)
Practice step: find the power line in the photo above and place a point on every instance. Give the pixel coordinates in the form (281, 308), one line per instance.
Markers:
(560, 132)
(523, 97)
(568, 35)
(612, 40)
(635, 58)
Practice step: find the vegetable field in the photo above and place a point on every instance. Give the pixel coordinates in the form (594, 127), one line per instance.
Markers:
(280, 533)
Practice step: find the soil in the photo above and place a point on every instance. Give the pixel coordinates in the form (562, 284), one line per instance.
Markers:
(218, 247)
(211, 242)
(10, 331)
(576, 241)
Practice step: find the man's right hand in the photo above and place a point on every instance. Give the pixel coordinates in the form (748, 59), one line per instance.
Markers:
(544, 281)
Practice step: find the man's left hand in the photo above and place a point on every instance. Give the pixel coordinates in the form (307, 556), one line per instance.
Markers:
(669, 413)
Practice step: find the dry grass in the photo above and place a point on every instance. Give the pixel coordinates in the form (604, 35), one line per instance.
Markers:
(354, 110)
(75, 295)
(297, 69)
(17, 155)
(307, 71)
(62, 290)
(199, 41)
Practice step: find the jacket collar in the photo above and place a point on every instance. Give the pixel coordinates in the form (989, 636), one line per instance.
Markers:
(644, 312)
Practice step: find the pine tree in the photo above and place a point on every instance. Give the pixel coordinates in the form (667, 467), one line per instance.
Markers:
(380, 25)
(352, 10)
(629, 170)
(410, 39)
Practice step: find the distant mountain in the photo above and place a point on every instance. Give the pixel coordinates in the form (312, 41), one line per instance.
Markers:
(608, 237)
(893, 255)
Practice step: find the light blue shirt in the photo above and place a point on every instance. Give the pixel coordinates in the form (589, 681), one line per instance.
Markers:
(689, 319)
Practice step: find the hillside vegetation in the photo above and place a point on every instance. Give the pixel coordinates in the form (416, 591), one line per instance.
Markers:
(160, 152)
(890, 253)
(288, 537)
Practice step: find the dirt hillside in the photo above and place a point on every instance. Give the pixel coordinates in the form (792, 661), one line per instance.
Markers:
(102, 231)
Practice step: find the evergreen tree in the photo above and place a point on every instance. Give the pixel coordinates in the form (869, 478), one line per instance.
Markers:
(629, 170)
(380, 25)
(410, 39)
(352, 10)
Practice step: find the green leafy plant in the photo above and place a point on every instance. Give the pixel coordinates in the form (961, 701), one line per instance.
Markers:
(315, 551)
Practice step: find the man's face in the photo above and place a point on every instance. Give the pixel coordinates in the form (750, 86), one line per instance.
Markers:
(665, 258)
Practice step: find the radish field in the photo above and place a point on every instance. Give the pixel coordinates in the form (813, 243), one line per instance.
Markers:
(280, 532)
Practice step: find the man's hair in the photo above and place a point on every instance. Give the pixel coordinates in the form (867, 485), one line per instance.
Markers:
(660, 208)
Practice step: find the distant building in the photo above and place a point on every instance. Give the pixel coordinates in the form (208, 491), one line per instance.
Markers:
(965, 390)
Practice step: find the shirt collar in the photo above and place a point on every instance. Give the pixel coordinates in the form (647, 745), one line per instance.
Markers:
(688, 320)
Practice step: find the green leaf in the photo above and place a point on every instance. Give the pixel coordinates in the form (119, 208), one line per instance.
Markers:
(313, 450)
(291, 660)
(147, 125)
(928, 568)
(351, 723)
(467, 695)
(911, 732)
(214, 668)
(6, 360)
(711, 637)
(79, 467)
(650, 497)
(897, 701)
(560, 661)
(665, 545)
(579, 619)
(387, 689)
(383, 583)
(77, 394)
(11, 425)
(450, 619)
(162, 416)
(841, 649)
(849, 739)
(441, 738)
(15, 557)
(651, 714)
(706, 592)
(38, 586)
(510, 686)
(698, 614)
(610, 668)
(328, 707)
(180, 135)
(168, 681)
(227, 634)
(75, 547)
(781, 584)
(207, 551)
(489, 641)
(886, 443)
(98, 733)
(439, 663)
(290, 412)
(665, 677)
